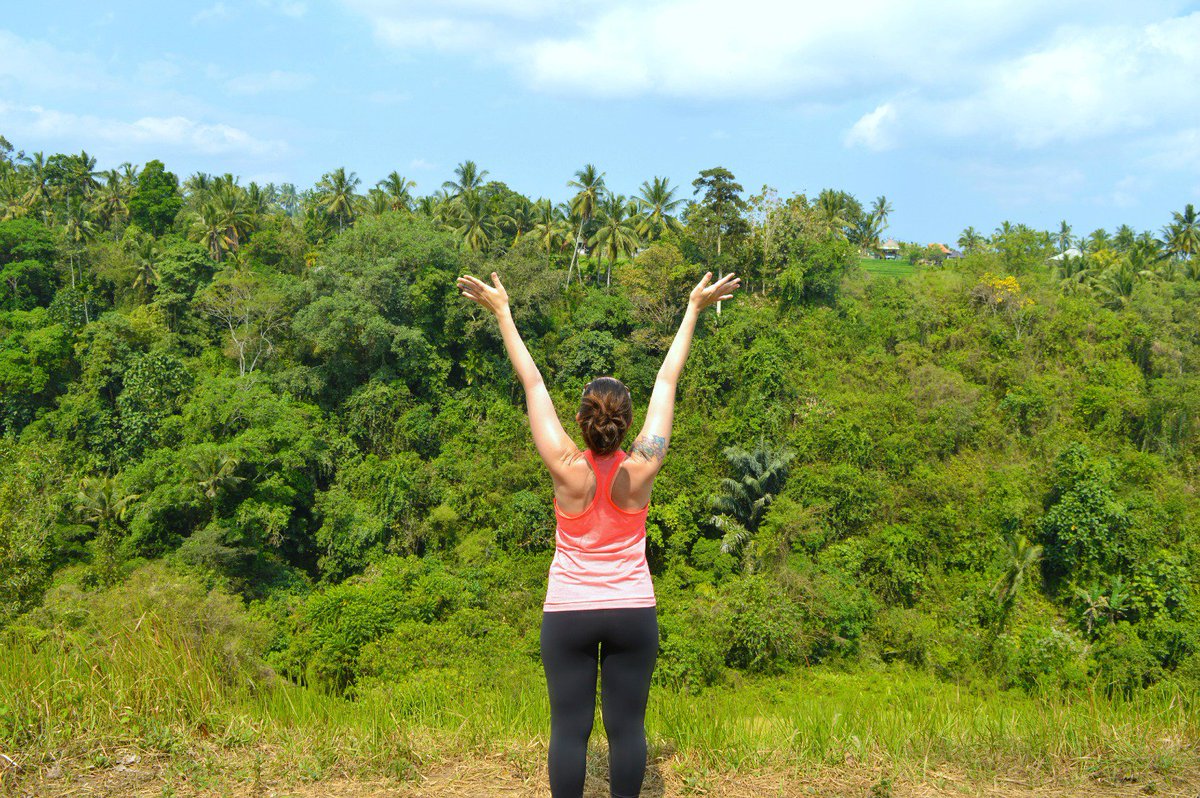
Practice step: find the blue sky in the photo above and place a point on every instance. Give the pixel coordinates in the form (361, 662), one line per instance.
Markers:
(961, 113)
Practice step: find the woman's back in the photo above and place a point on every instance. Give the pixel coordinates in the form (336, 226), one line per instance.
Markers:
(600, 551)
(631, 483)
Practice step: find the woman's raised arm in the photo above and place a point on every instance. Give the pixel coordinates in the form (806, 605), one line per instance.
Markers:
(650, 446)
(553, 443)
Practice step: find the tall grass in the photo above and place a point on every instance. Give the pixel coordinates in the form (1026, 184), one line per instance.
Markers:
(147, 681)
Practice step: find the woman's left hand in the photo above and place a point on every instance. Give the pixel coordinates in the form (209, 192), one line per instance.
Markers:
(494, 299)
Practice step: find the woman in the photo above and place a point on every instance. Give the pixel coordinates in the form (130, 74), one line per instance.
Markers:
(600, 609)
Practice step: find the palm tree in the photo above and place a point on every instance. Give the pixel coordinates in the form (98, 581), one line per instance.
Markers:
(102, 503)
(145, 261)
(759, 475)
(1182, 236)
(112, 202)
(1124, 238)
(212, 470)
(865, 233)
(378, 202)
(591, 187)
(470, 178)
(970, 241)
(37, 194)
(522, 218)
(617, 234)
(208, 228)
(1021, 559)
(288, 199)
(475, 227)
(550, 225)
(236, 213)
(883, 209)
(657, 203)
(336, 195)
(1063, 236)
(396, 187)
(1117, 283)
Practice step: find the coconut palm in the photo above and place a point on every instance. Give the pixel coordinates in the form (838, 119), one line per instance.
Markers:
(970, 241)
(207, 227)
(590, 183)
(37, 185)
(102, 503)
(1182, 236)
(617, 234)
(396, 187)
(112, 200)
(237, 215)
(288, 199)
(521, 218)
(883, 209)
(212, 470)
(550, 225)
(336, 197)
(475, 225)
(1020, 562)
(1063, 236)
(470, 179)
(657, 204)
(145, 253)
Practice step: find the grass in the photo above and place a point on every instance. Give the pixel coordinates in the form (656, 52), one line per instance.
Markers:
(890, 268)
(74, 698)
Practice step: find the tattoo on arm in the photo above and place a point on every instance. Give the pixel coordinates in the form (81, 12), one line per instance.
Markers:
(650, 447)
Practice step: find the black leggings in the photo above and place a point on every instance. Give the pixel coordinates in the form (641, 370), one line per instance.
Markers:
(627, 639)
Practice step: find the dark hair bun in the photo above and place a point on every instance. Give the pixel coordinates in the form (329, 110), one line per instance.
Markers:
(605, 414)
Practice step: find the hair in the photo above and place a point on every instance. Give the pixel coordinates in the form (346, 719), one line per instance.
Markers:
(605, 414)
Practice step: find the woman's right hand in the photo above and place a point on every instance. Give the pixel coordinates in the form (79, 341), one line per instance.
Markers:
(704, 294)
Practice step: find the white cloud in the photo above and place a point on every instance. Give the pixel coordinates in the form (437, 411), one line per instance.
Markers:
(873, 130)
(31, 64)
(1083, 84)
(273, 81)
(180, 132)
(215, 11)
(421, 163)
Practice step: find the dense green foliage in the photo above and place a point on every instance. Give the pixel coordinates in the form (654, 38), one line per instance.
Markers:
(985, 469)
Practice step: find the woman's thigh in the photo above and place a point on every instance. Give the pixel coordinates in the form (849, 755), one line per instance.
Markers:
(570, 656)
(628, 653)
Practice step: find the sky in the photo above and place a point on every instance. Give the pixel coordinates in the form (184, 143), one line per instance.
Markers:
(959, 113)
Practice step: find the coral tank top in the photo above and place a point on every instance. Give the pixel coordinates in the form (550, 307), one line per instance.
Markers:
(600, 554)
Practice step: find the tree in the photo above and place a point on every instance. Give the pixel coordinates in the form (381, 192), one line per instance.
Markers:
(476, 228)
(336, 195)
(470, 178)
(591, 188)
(970, 241)
(617, 234)
(156, 200)
(1182, 236)
(882, 209)
(252, 310)
(103, 503)
(657, 203)
(1063, 236)
(739, 508)
(396, 188)
(723, 198)
(1021, 560)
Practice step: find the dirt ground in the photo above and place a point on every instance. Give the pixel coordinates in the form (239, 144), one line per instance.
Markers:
(135, 774)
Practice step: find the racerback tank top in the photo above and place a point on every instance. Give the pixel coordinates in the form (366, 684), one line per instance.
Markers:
(600, 554)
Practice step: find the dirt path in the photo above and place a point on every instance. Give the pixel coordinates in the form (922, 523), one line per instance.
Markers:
(498, 775)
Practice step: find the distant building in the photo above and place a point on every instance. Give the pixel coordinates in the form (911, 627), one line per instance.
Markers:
(890, 249)
(1070, 252)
